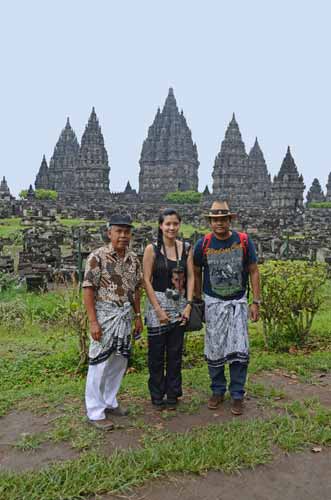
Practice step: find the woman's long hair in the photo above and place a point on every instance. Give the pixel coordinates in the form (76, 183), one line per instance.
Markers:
(160, 263)
(162, 216)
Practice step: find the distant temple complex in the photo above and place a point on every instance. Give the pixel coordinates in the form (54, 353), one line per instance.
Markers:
(169, 162)
(77, 171)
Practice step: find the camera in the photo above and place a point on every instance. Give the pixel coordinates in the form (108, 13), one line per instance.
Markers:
(172, 294)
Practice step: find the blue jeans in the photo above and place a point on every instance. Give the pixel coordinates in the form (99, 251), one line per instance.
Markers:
(238, 374)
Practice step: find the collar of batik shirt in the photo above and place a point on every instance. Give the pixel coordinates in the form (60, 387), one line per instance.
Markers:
(128, 253)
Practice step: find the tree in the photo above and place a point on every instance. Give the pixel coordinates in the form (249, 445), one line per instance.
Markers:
(183, 197)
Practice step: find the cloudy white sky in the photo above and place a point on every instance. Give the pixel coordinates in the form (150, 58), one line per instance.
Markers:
(268, 61)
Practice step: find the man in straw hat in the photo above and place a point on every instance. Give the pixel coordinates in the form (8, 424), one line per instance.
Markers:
(227, 259)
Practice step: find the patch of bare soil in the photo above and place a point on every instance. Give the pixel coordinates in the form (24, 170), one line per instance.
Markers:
(301, 476)
(320, 387)
(128, 434)
(16, 424)
(15, 460)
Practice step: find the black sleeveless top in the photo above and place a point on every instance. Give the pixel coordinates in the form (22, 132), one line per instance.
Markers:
(162, 270)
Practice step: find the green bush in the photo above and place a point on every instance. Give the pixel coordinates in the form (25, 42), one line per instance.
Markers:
(7, 282)
(41, 194)
(182, 197)
(12, 314)
(291, 295)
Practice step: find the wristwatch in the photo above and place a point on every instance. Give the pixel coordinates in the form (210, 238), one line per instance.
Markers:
(137, 315)
(257, 302)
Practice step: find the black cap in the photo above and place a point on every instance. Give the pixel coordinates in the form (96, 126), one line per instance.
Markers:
(120, 220)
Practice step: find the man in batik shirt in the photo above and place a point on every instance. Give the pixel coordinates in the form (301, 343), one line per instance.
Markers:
(111, 286)
(227, 260)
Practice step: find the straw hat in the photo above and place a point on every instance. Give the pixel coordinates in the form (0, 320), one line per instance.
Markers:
(220, 209)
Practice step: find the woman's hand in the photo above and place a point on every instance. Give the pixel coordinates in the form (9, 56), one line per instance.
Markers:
(162, 315)
(138, 325)
(186, 314)
(95, 329)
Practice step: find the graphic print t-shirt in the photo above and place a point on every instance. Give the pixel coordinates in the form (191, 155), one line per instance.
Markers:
(224, 274)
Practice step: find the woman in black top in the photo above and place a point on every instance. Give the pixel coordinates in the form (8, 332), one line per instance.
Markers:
(169, 283)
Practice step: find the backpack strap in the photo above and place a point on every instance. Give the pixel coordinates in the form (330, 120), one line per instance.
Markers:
(244, 244)
(206, 243)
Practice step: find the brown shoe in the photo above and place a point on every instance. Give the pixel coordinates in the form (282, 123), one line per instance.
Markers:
(119, 411)
(215, 401)
(103, 425)
(237, 407)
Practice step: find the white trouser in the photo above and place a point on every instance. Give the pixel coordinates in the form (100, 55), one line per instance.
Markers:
(102, 385)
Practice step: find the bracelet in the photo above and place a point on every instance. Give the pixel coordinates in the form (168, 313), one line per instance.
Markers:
(137, 315)
(257, 302)
(189, 302)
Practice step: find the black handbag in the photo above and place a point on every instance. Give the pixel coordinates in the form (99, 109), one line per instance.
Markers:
(197, 316)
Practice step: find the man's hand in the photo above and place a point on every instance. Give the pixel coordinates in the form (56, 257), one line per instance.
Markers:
(254, 312)
(96, 332)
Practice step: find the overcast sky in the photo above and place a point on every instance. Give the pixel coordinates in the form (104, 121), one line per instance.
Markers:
(268, 61)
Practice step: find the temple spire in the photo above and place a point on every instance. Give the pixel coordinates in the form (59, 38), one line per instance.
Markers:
(231, 179)
(93, 167)
(42, 179)
(169, 158)
(315, 193)
(4, 189)
(260, 181)
(63, 164)
(328, 188)
(128, 187)
(288, 185)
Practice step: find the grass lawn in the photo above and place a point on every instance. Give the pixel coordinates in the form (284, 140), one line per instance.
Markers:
(10, 227)
(38, 362)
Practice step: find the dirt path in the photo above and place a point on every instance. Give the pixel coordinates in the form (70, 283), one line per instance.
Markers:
(295, 477)
(304, 476)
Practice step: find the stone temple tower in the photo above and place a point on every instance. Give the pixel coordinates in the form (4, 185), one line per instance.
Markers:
(260, 181)
(231, 179)
(93, 168)
(4, 189)
(328, 188)
(315, 193)
(63, 164)
(42, 179)
(169, 158)
(288, 186)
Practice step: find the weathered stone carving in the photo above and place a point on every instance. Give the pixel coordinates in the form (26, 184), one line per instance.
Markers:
(288, 185)
(243, 180)
(315, 193)
(169, 158)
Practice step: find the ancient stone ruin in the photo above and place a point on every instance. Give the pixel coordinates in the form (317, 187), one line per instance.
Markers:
(288, 185)
(328, 188)
(169, 158)
(238, 178)
(272, 212)
(169, 162)
(315, 193)
(77, 172)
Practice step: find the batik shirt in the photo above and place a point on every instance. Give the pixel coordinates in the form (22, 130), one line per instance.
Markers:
(112, 278)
